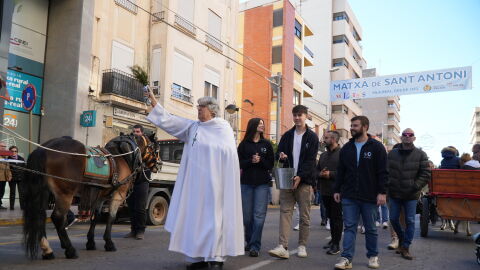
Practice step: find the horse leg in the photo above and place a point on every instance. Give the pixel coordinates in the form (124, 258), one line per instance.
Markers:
(469, 232)
(47, 252)
(456, 226)
(91, 231)
(59, 218)
(114, 204)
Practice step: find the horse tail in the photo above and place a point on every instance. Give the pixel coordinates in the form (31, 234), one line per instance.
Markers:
(36, 203)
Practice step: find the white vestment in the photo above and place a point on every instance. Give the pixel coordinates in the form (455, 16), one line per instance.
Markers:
(205, 215)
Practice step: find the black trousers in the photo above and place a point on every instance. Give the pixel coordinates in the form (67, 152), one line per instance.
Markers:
(13, 187)
(334, 214)
(137, 202)
(2, 190)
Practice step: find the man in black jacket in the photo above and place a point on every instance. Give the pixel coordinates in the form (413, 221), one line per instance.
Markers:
(361, 186)
(297, 149)
(327, 171)
(409, 172)
(137, 201)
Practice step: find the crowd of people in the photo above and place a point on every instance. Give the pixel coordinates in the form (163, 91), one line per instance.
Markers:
(224, 191)
(11, 175)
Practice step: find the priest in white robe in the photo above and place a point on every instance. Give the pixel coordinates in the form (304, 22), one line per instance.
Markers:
(205, 213)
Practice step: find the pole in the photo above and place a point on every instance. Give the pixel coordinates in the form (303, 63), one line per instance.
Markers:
(30, 132)
(278, 87)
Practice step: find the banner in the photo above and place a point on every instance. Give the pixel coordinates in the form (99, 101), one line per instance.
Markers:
(19, 83)
(403, 84)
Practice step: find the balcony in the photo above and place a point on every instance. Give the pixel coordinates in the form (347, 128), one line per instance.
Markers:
(213, 43)
(158, 16)
(308, 51)
(127, 5)
(123, 84)
(308, 83)
(185, 26)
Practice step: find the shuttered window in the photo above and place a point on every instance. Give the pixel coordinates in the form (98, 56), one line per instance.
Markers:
(278, 17)
(277, 55)
(297, 64)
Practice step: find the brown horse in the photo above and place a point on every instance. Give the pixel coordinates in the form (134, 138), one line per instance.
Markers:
(62, 174)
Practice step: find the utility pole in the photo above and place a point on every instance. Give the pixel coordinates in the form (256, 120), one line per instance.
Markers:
(276, 84)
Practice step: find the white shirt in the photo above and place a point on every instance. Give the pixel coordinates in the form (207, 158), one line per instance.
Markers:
(297, 146)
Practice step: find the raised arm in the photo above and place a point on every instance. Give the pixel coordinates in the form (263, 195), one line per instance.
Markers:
(172, 124)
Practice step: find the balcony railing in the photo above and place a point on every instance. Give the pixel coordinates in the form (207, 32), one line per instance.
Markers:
(308, 51)
(185, 25)
(308, 83)
(123, 84)
(213, 43)
(127, 5)
(182, 93)
(158, 16)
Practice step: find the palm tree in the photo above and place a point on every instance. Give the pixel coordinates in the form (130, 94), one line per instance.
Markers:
(140, 74)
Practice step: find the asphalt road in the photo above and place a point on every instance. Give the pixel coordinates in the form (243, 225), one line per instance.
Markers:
(441, 250)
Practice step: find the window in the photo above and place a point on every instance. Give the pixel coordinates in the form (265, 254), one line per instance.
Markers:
(340, 16)
(355, 34)
(340, 39)
(277, 55)
(211, 90)
(296, 98)
(338, 62)
(122, 57)
(298, 29)
(181, 92)
(186, 9)
(182, 77)
(297, 64)
(214, 25)
(339, 109)
(278, 17)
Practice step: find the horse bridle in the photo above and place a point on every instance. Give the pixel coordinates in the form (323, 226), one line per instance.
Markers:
(151, 156)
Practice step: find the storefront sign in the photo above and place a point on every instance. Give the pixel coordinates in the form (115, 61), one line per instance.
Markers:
(88, 118)
(130, 115)
(403, 84)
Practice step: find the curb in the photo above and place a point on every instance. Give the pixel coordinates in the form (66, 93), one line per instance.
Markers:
(16, 221)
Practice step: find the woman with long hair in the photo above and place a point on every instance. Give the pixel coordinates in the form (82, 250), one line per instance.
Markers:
(256, 161)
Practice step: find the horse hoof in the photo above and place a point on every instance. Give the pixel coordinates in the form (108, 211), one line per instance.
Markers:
(110, 247)
(71, 254)
(49, 256)
(91, 246)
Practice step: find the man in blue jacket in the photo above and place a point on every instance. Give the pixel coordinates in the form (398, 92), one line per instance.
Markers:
(361, 186)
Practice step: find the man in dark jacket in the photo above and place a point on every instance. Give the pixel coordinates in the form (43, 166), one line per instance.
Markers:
(137, 201)
(327, 170)
(297, 149)
(361, 186)
(409, 172)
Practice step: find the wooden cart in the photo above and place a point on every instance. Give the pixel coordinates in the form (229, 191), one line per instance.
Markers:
(453, 194)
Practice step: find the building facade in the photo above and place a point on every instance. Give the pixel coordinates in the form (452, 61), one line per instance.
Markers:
(272, 37)
(384, 115)
(475, 126)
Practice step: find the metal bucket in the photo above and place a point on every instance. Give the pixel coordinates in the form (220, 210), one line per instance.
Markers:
(284, 177)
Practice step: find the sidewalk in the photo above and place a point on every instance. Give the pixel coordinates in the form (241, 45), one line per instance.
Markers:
(10, 217)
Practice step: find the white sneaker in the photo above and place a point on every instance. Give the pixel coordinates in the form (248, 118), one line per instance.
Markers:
(296, 228)
(377, 223)
(328, 225)
(385, 225)
(373, 262)
(362, 230)
(394, 244)
(343, 263)
(279, 252)
(302, 252)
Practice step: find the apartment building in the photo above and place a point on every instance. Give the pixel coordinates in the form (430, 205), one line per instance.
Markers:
(272, 37)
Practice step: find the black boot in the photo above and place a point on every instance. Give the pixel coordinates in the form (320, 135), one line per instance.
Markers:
(334, 249)
(216, 265)
(197, 265)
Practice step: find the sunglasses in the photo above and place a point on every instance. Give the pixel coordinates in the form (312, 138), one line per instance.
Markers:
(408, 135)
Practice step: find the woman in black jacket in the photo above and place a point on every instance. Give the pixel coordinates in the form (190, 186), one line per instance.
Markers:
(256, 160)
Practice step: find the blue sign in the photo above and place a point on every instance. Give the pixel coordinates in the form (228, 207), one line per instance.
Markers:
(25, 92)
(87, 119)
(29, 97)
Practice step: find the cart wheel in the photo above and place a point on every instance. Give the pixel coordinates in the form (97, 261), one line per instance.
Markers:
(424, 217)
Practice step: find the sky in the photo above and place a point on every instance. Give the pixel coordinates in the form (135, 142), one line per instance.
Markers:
(411, 36)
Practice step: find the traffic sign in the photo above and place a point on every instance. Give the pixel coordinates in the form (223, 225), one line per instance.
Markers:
(29, 97)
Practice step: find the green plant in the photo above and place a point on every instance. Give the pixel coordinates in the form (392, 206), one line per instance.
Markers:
(140, 74)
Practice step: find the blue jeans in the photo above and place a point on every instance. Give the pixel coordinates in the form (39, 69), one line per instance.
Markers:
(254, 203)
(384, 215)
(352, 209)
(410, 208)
